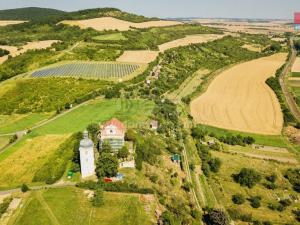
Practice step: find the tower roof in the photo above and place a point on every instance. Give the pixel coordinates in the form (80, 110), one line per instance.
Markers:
(86, 142)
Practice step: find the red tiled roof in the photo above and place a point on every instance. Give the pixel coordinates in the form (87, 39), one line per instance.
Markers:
(115, 122)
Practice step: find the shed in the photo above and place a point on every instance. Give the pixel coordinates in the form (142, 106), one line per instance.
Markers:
(176, 158)
(154, 124)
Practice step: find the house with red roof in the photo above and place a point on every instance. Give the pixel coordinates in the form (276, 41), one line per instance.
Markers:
(113, 132)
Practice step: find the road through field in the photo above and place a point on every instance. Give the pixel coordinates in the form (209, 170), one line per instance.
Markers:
(239, 99)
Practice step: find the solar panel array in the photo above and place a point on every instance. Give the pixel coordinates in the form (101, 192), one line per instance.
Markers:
(88, 70)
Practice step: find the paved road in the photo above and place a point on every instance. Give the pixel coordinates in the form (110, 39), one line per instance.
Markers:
(283, 83)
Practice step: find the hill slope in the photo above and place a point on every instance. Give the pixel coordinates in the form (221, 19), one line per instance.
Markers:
(31, 13)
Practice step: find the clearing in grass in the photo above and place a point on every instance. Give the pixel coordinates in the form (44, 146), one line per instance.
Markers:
(28, 156)
(245, 103)
(70, 206)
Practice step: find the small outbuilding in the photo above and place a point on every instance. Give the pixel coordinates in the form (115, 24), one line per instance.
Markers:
(176, 158)
(153, 124)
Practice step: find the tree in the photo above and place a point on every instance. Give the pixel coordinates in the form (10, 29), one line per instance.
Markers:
(93, 129)
(123, 153)
(238, 199)
(107, 166)
(24, 188)
(247, 177)
(106, 147)
(98, 199)
(216, 217)
(255, 201)
(215, 164)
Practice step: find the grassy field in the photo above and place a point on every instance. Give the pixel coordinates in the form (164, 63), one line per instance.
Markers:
(70, 206)
(4, 141)
(110, 37)
(131, 112)
(31, 154)
(14, 123)
(277, 141)
(224, 187)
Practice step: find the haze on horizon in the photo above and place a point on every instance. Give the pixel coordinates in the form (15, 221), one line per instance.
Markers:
(266, 9)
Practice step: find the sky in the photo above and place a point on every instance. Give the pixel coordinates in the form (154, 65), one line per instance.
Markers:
(261, 9)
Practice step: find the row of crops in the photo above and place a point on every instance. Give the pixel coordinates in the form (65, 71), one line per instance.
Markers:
(88, 70)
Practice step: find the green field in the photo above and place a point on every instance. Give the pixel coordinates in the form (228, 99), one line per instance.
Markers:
(110, 37)
(69, 206)
(224, 187)
(4, 141)
(276, 140)
(14, 123)
(131, 112)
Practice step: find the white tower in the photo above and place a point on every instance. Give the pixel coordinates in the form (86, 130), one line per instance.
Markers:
(87, 161)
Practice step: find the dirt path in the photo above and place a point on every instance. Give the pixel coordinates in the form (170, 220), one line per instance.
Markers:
(283, 83)
(239, 99)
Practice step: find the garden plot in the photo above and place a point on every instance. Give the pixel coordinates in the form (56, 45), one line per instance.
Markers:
(97, 70)
(239, 99)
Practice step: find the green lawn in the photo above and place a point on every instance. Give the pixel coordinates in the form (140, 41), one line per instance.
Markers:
(69, 206)
(268, 140)
(110, 37)
(132, 112)
(14, 123)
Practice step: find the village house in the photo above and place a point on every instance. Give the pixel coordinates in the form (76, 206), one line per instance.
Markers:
(113, 132)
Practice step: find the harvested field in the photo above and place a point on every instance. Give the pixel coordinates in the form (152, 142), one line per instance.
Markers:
(190, 39)
(296, 66)
(245, 103)
(10, 22)
(110, 23)
(150, 56)
(138, 56)
(14, 51)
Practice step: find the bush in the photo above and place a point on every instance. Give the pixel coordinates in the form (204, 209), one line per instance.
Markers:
(4, 205)
(272, 178)
(293, 175)
(238, 199)
(98, 199)
(24, 188)
(13, 139)
(123, 153)
(216, 217)
(247, 177)
(255, 202)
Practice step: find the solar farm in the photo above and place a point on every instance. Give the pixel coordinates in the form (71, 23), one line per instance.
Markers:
(99, 70)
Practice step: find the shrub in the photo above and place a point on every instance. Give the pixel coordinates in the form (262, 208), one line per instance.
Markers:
(216, 217)
(247, 177)
(98, 199)
(272, 178)
(238, 199)
(13, 139)
(297, 214)
(255, 201)
(4, 205)
(24, 188)
(123, 153)
(293, 175)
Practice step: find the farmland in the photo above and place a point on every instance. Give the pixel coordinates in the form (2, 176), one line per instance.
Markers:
(96, 70)
(110, 23)
(71, 206)
(296, 66)
(256, 108)
(110, 37)
(10, 22)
